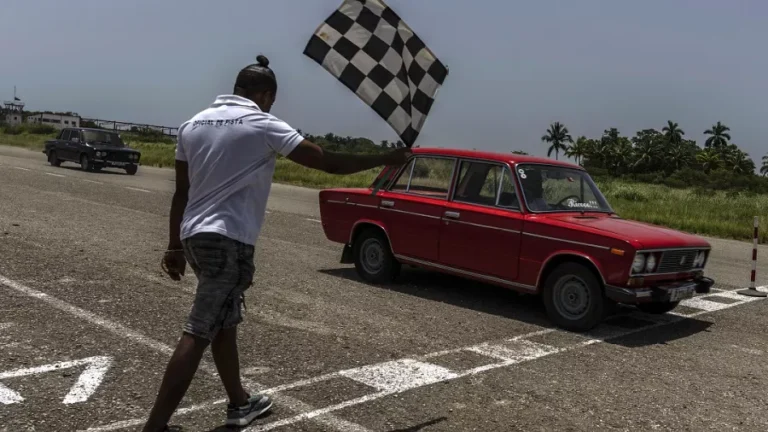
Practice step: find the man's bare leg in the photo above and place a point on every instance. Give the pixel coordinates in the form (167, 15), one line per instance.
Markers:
(178, 376)
(225, 355)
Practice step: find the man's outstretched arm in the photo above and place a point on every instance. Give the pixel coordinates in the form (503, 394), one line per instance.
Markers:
(313, 156)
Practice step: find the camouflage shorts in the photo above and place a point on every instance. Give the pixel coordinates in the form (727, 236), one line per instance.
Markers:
(224, 269)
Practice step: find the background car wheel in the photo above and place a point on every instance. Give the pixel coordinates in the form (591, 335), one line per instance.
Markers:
(53, 159)
(573, 298)
(85, 163)
(658, 308)
(131, 169)
(373, 257)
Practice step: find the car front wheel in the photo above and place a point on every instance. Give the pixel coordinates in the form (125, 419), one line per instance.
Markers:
(53, 159)
(373, 257)
(573, 298)
(131, 169)
(85, 163)
(658, 308)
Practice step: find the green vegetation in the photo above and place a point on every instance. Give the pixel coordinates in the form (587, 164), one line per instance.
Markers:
(656, 177)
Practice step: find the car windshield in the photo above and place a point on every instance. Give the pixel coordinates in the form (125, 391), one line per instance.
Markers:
(105, 138)
(548, 188)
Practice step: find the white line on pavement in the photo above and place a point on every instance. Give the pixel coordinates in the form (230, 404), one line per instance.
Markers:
(91, 181)
(86, 384)
(314, 220)
(121, 330)
(5, 325)
(138, 190)
(394, 376)
(22, 169)
(54, 175)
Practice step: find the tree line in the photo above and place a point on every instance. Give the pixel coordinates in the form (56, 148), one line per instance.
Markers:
(663, 156)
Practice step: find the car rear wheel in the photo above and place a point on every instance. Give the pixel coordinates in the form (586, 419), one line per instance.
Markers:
(53, 159)
(573, 298)
(131, 169)
(658, 308)
(373, 257)
(85, 163)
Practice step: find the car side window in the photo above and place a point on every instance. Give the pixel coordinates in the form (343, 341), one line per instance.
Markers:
(478, 183)
(486, 184)
(64, 135)
(75, 134)
(428, 176)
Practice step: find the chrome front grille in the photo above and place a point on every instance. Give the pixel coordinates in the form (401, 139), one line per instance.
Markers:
(676, 261)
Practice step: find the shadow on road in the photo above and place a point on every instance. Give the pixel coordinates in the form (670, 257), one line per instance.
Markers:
(101, 171)
(509, 304)
(421, 426)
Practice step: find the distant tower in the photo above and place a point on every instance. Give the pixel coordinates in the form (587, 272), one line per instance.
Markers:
(13, 111)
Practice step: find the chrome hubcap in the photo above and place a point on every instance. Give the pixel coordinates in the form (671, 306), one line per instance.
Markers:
(571, 297)
(372, 256)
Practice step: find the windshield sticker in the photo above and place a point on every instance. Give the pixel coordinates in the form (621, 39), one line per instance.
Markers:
(522, 173)
(575, 204)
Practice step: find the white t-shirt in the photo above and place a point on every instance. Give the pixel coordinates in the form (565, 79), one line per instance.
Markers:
(231, 149)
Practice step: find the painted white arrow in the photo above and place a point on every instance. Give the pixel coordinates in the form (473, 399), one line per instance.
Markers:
(86, 384)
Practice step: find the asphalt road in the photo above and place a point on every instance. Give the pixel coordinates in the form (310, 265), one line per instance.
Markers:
(88, 321)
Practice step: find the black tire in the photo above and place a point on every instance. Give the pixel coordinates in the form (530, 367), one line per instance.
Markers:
(373, 257)
(573, 298)
(53, 159)
(85, 163)
(131, 169)
(658, 308)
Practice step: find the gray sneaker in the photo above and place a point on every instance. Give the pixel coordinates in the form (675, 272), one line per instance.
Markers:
(244, 415)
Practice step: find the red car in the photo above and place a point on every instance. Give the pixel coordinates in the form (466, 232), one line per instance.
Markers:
(530, 224)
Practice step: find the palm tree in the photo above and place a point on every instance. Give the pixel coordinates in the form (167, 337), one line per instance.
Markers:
(673, 133)
(578, 149)
(708, 159)
(764, 168)
(557, 135)
(719, 138)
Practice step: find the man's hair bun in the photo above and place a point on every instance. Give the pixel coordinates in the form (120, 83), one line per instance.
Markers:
(262, 60)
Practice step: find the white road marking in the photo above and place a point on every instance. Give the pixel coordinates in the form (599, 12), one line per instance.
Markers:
(399, 375)
(514, 351)
(85, 386)
(375, 374)
(314, 220)
(703, 304)
(22, 169)
(91, 181)
(138, 190)
(5, 325)
(55, 175)
(121, 330)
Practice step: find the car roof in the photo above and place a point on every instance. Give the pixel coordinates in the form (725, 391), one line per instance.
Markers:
(91, 129)
(510, 158)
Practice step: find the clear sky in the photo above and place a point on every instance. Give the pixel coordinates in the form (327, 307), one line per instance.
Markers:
(515, 66)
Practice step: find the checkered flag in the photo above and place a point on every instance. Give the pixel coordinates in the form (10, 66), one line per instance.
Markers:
(367, 47)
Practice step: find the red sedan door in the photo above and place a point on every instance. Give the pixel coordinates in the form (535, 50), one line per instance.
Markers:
(413, 206)
(482, 224)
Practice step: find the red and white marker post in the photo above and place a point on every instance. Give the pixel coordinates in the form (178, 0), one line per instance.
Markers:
(752, 290)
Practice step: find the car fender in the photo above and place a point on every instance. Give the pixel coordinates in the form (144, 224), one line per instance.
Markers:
(569, 253)
(362, 222)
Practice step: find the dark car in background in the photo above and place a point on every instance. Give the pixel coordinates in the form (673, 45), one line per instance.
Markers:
(93, 149)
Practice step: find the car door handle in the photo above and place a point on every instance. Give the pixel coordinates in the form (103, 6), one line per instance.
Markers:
(452, 215)
(387, 203)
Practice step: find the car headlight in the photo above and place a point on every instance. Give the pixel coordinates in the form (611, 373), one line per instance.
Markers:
(638, 263)
(99, 154)
(650, 264)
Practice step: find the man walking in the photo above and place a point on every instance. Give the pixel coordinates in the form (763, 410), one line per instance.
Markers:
(225, 161)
